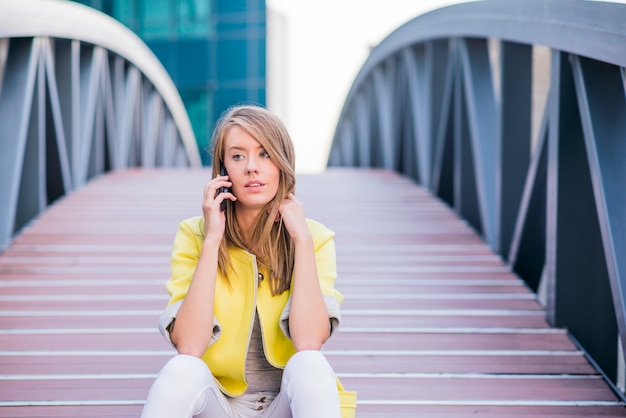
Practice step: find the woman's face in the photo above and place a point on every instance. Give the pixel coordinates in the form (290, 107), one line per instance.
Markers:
(254, 175)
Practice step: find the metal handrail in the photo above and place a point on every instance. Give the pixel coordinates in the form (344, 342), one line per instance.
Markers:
(456, 100)
(80, 95)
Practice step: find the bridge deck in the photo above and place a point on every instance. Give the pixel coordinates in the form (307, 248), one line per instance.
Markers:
(434, 323)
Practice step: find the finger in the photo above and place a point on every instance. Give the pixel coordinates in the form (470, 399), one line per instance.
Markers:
(225, 196)
(211, 193)
(219, 182)
(208, 191)
(212, 186)
(222, 197)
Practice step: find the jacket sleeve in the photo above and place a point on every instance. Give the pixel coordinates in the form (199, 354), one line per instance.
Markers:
(184, 259)
(325, 258)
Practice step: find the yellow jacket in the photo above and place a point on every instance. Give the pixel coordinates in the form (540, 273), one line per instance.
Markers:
(236, 300)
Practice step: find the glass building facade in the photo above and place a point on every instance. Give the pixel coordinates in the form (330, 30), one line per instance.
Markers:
(214, 50)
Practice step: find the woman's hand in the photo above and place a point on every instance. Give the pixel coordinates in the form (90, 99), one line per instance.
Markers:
(308, 318)
(194, 321)
(214, 218)
(292, 212)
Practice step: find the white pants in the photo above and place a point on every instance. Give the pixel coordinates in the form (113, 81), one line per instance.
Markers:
(186, 388)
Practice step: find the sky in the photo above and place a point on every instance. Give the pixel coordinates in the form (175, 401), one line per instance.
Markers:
(327, 42)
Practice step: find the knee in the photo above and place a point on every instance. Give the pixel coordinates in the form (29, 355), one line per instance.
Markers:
(308, 367)
(179, 387)
(184, 373)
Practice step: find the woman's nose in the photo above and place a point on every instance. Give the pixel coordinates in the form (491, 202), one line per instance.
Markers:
(252, 165)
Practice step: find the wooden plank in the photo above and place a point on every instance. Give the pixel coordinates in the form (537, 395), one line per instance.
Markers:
(105, 411)
(489, 363)
(444, 341)
(440, 321)
(482, 388)
(82, 364)
(69, 390)
(485, 410)
(111, 341)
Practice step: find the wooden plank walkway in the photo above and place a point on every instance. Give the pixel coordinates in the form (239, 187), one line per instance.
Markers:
(434, 323)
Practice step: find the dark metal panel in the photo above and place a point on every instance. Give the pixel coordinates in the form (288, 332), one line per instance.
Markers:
(111, 118)
(575, 235)
(15, 109)
(397, 89)
(57, 173)
(98, 152)
(118, 82)
(90, 68)
(514, 136)
(404, 121)
(443, 163)
(362, 130)
(466, 200)
(31, 187)
(603, 113)
(416, 112)
(63, 178)
(528, 244)
(552, 184)
(373, 126)
(127, 123)
(75, 87)
(61, 77)
(444, 185)
(38, 170)
(408, 149)
(437, 67)
(383, 111)
(481, 118)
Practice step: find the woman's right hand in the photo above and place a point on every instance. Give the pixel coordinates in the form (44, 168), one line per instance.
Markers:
(214, 218)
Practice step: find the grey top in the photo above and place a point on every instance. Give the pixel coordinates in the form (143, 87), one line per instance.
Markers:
(260, 374)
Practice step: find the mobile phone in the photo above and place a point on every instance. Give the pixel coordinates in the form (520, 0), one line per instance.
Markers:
(223, 189)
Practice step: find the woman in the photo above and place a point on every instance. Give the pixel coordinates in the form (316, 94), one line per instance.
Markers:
(252, 289)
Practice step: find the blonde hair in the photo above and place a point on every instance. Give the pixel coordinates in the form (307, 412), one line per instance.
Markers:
(272, 241)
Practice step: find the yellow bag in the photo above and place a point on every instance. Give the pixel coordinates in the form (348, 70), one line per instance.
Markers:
(347, 401)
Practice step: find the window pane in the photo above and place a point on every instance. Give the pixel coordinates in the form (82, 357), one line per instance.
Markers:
(193, 18)
(156, 19)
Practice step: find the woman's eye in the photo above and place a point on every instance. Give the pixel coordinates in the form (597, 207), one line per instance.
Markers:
(237, 157)
(265, 154)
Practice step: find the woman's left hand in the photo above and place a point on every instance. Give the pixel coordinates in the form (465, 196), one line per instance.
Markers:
(292, 212)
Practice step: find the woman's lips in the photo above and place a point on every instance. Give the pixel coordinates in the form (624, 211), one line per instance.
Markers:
(254, 185)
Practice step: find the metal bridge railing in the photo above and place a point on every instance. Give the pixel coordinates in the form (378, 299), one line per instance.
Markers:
(514, 112)
(80, 95)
